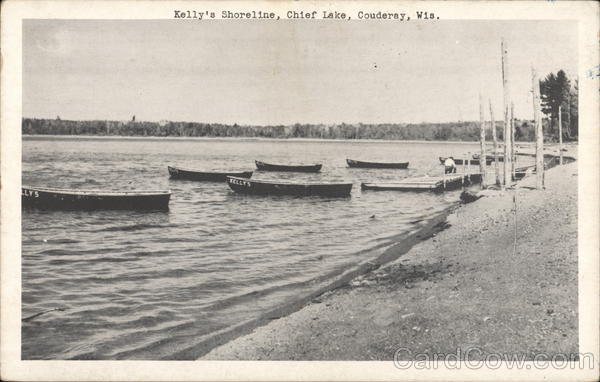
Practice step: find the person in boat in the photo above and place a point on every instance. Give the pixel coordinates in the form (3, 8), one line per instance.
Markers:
(449, 166)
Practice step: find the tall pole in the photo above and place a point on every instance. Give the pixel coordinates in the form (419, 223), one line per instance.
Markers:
(512, 140)
(539, 134)
(560, 146)
(494, 136)
(507, 133)
(482, 156)
(569, 114)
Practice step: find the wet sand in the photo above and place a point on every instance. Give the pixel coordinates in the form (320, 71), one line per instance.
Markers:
(469, 287)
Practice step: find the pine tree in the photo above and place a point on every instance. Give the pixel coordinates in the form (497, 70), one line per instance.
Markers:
(573, 111)
(555, 91)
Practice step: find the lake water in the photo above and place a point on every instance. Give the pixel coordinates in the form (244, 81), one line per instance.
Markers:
(135, 285)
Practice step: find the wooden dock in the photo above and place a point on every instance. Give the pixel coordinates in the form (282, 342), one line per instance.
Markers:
(426, 183)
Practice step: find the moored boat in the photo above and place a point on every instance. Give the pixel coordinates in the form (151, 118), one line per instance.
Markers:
(490, 157)
(362, 164)
(264, 187)
(459, 161)
(67, 199)
(292, 168)
(210, 176)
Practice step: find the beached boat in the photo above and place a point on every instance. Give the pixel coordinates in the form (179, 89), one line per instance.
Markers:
(361, 164)
(264, 187)
(66, 199)
(459, 161)
(521, 172)
(293, 168)
(210, 176)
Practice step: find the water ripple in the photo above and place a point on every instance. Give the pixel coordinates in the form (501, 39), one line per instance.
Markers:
(146, 285)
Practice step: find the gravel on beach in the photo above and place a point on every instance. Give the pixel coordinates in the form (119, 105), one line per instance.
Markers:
(470, 287)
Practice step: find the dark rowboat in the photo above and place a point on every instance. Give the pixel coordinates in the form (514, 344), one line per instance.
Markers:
(263, 187)
(64, 199)
(360, 164)
(461, 161)
(282, 167)
(210, 176)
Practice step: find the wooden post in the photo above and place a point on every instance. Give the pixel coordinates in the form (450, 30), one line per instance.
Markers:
(515, 225)
(462, 177)
(569, 114)
(494, 136)
(444, 178)
(539, 134)
(482, 155)
(507, 132)
(560, 146)
(469, 168)
(512, 140)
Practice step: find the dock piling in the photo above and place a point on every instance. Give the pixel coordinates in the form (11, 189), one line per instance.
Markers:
(444, 178)
(469, 168)
(482, 156)
(464, 171)
(512, 140)
(539, 133)
(495, 138)
(560, 144)
(507, 133)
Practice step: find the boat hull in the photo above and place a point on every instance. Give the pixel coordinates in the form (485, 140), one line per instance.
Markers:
(58, 199)
(360, 164)
(253, 187)
(262, 166)
(474, 162)
(521, 172)
(489, 158)
(205, 176)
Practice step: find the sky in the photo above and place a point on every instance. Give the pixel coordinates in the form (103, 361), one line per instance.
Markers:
(257, 73)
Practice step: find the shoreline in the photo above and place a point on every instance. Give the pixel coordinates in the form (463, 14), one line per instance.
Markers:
(264, 139)
(378, 256)
(465, 287)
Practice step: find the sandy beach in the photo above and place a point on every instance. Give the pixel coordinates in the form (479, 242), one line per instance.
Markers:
(493, 280)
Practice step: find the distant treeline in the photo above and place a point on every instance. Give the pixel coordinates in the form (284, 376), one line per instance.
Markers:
(458, 131)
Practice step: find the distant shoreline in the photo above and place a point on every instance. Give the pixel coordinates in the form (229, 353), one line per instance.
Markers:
(467, 131)
(260, 139)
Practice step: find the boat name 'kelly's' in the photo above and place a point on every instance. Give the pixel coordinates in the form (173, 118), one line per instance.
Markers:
(239, 182)
(33, 193)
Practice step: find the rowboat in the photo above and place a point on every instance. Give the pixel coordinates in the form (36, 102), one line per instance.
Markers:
(282, 167)
(461, 161)
(361, 164)
(66, 199)
(210, 176)
(489, 157)
(521, 172)
(264, 187)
